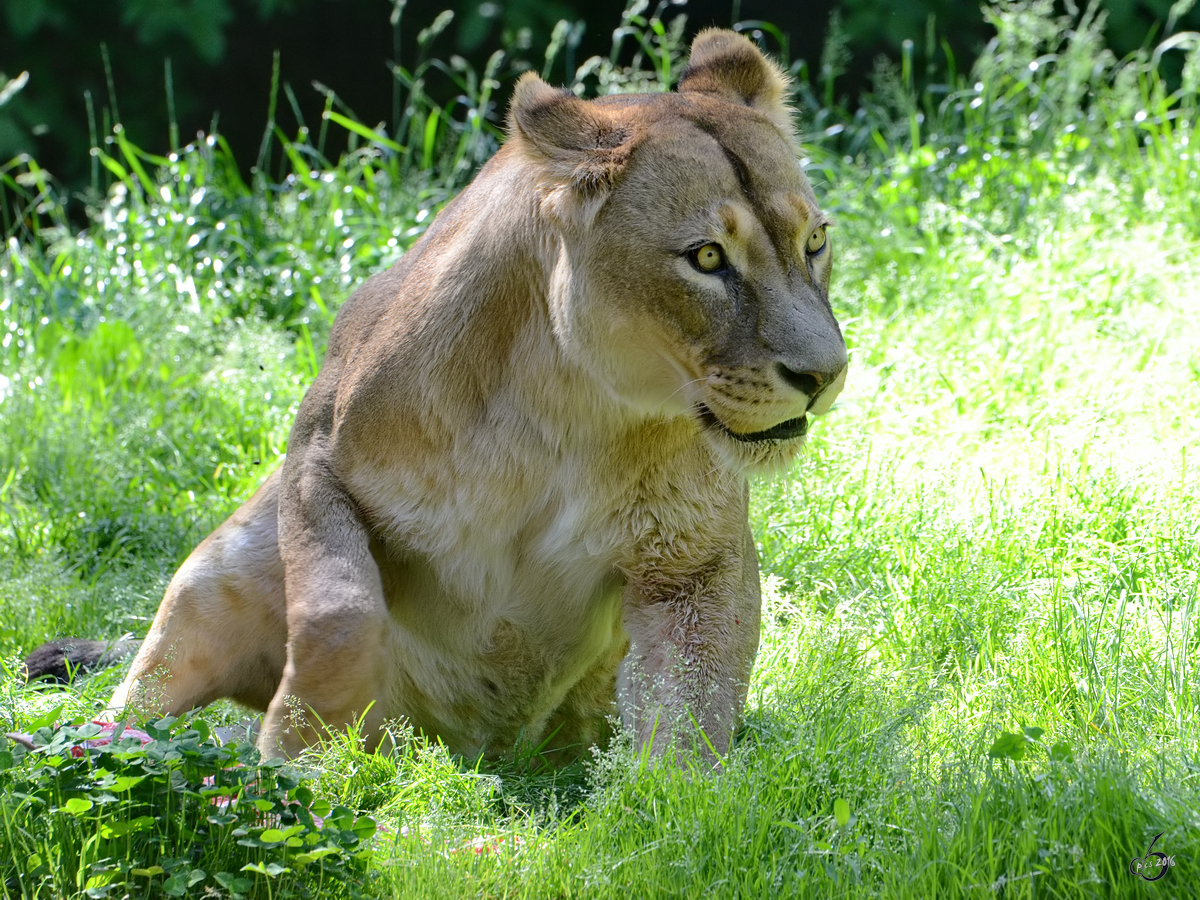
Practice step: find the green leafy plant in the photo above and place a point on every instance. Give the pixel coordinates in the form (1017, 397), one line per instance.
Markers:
(178, 815)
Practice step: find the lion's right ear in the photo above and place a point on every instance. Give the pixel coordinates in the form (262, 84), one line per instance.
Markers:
(727, 65)
(583, 147)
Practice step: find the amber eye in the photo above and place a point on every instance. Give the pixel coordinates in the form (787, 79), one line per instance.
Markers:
(708, 258)
(816, 240)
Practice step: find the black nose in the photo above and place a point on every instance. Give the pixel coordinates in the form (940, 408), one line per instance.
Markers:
(810, 383)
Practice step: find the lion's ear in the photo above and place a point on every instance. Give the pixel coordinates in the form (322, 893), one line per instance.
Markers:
(585, 147)
(729, 66)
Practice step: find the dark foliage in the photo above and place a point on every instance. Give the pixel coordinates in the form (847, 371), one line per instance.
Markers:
(189, 61)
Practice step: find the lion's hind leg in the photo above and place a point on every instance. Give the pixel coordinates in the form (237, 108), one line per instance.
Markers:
(221, 628)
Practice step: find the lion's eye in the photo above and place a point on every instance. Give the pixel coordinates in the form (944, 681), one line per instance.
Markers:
(708, 258)
(816, 240)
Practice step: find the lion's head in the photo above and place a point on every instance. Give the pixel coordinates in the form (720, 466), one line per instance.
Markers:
(695, 262)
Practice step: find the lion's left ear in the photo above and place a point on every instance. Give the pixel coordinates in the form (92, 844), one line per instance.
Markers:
(729, 66)
(583, 145)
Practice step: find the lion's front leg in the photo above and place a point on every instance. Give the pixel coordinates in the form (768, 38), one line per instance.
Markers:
(337, 620)
(693, 637)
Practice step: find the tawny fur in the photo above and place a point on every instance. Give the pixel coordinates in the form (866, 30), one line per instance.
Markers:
(514, 500)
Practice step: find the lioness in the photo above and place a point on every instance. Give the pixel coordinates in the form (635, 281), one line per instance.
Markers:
(515, 499)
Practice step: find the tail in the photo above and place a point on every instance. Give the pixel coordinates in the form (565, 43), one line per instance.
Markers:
(63, 659)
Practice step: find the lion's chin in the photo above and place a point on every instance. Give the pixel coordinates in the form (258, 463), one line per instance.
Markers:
(761, 452)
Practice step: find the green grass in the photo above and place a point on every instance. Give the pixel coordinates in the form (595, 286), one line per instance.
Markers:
(980, 659)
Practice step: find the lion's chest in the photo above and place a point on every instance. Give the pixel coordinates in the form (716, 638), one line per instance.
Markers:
(502, 564)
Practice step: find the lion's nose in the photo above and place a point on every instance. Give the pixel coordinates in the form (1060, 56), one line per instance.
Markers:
(810, 383)
(820, 385)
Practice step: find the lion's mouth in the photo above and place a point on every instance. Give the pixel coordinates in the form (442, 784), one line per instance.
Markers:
(784, 431)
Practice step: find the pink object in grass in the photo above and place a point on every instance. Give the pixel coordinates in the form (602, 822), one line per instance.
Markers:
(490, 843)
(109, 732)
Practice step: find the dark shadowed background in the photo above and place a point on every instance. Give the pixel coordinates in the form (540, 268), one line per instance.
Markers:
(196, 61)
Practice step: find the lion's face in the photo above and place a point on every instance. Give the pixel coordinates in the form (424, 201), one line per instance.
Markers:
(694, 275)
(714, 263)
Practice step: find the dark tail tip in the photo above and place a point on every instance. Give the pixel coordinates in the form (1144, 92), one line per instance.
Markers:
(62, 659)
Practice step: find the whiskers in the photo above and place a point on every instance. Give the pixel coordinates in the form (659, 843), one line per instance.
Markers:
(695, 405)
